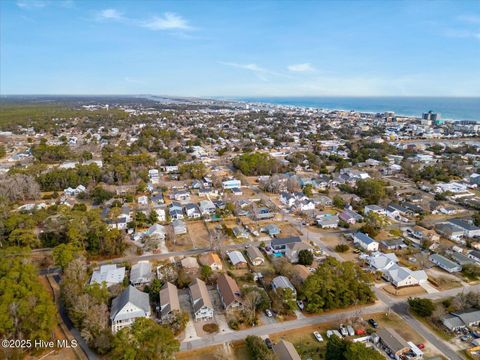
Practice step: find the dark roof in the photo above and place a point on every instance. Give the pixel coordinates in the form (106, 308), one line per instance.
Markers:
(285, 240)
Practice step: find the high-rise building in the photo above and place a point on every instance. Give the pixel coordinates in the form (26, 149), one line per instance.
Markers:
(430, 116)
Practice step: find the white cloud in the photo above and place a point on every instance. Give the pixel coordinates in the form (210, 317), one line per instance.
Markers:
(31, 4)
(169, 21)
(471, 19)
(306, 67)
(110, 14)
(260, 72)
(462, 33)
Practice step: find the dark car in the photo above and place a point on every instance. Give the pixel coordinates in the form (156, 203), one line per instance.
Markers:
(269, 343)
(373, 323)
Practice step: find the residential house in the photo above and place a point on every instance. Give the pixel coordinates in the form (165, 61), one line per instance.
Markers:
(141, 273)
(305, 205)
(143, 200)
(469, 229)
(271, 229)
(255, 256)
(283, 283)
(365, 242)
(461, 320)
(158, 199)
(201, 302)
(169, 303)
(192, 211)
(231, 184)
(179, 227)
(229, 292)
(237, 259)
(284, 350)
(349, 216)
(381, 262)
(108, 274)
(207, 207)
(156, 231)
(391, 340)
(279, 245)
(393, 244)
(175, 210)
(162, 217)
(263, 213)
(301, 272)
(450, 231)
(240, 232)
(292, 250)
(326, 220)
(444, 263)
(212, 260)
(130, 305)
(474, 255)
(401, 276)
(375, 209)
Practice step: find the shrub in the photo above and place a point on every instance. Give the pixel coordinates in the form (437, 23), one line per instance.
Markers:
(421, 307)
(341, 248)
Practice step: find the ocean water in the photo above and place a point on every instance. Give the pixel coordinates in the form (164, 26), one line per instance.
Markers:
(448, 108)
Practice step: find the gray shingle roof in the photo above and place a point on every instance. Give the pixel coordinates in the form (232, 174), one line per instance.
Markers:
(130, 295)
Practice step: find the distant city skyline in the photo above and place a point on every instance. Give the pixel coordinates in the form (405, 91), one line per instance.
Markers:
(239, 49)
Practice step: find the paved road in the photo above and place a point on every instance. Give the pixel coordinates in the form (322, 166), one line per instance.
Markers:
(279, 326)
(443, 346)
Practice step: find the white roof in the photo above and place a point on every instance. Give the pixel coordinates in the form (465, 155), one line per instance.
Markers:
(236, 257)
(109, 274)
(141, 271)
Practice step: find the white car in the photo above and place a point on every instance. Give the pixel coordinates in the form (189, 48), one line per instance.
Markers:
(343, 330)
(268, 313)
(329, 333)
(300, 304)
(351, 331)
(318, 336)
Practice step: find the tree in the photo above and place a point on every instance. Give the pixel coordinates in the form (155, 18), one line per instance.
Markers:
(336, 285)
(358, 351)
(341, 248)
(152, 217)
(257, 164)
(26, 308)
(145, 339)
(372, 190)
(476, 218)
(305, 257)
(338, 202)
(63, 254)
(336, 348)
(471, 271)
(421, 307)
(206, 273)
(308, 190)
(257, 349)
(24, 238)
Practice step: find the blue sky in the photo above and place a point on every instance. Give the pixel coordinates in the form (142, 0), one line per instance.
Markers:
(247, 48)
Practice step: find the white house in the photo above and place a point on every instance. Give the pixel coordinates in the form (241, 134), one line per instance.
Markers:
(108, 274)
(153, 176)
(201, 302)
(231, 184)
(365, 241)
(162, 216)
(207, 207)
(141, 273)
(127, 307)
(156, 231)
(401, 276)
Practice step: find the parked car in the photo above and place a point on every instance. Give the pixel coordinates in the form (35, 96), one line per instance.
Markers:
(373, 323)
(269, 313)
(350, 330)
(318, 336)
(336, 332)
(269, 343)
(329, 333)
(343, 330)
(300, 304)
(360, 332)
